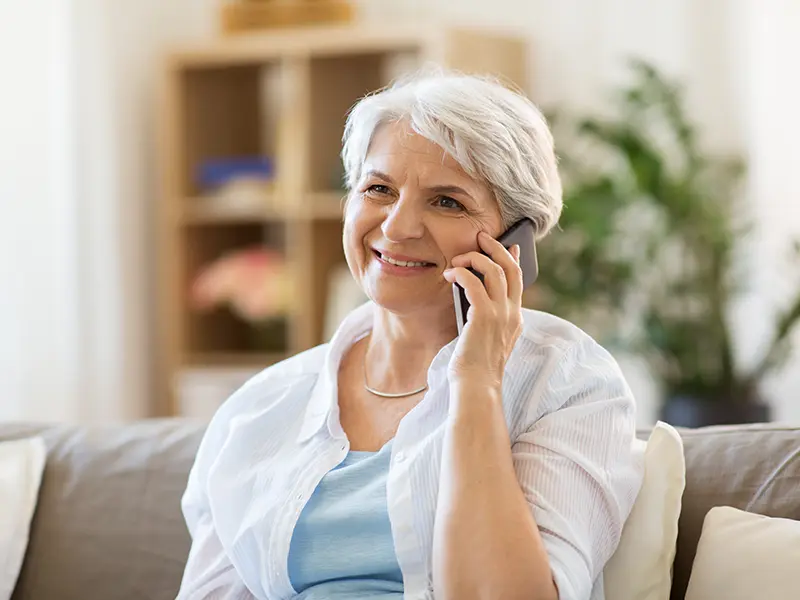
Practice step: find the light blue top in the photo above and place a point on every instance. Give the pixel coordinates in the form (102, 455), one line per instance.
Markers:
(342, 546)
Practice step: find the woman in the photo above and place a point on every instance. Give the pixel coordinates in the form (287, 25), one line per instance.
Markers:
(403, 459)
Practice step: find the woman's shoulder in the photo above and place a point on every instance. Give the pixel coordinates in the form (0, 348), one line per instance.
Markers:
(556, 361)
(288, 382)
(554, 335)
(260, 409)
(304, 365)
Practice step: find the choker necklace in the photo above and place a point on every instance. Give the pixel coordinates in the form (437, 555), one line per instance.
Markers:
(384, 394)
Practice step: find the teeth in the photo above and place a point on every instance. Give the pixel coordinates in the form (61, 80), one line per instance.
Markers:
(403, 263)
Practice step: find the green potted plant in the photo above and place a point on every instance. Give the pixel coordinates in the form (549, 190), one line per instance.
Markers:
(647, 255)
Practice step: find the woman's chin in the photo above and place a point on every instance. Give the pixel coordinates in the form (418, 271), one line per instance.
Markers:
(407, 299)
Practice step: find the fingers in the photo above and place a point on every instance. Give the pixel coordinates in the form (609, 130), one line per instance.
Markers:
(493, 275)
(473, 288)
(516, 286)
(509, 262)
(502, 271)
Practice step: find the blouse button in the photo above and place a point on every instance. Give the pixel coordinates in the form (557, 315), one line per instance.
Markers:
(400, 457)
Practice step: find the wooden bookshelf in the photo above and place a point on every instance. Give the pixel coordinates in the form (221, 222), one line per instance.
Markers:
(284, 95)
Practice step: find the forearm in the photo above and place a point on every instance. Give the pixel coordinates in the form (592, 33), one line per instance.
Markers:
(486, 542)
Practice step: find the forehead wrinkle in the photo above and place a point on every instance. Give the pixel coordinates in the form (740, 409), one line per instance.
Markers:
(395, 140)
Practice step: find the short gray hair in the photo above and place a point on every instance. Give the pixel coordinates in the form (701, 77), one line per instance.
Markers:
(495, 134)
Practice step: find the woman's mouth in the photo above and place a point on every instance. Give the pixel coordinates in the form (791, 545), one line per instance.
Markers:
(402, 264)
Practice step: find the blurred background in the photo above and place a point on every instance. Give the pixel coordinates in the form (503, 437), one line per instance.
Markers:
(170, 220)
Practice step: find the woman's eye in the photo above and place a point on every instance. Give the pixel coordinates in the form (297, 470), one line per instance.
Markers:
(447, 202)
(378, 189)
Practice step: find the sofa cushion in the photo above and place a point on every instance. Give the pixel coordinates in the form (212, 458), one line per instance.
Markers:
(21, 468)
(108, 522)
(641, 568)
(754, 468)
(743, 556)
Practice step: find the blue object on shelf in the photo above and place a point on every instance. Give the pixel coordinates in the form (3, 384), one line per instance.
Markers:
(217, 172)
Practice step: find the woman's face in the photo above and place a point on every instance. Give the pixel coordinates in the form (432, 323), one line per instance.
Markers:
(414, 204)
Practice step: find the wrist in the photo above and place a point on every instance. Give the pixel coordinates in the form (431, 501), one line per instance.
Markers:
(480, 381)
(476, 419)
(470, 397)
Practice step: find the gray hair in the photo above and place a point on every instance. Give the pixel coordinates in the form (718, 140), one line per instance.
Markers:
(496, 135)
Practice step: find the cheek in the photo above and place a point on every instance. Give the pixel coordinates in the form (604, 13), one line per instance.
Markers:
(349, 242)
(458, 240)
(354, 231)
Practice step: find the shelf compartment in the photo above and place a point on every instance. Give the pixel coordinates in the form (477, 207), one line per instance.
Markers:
(336, 84)
(219, 330)
(228, 112)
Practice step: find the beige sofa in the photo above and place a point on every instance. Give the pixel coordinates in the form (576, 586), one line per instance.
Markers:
(108, 523)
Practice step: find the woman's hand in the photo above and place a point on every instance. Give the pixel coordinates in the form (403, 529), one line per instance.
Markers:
(494, 319)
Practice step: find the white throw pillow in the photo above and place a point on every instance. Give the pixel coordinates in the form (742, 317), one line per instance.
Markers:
(21, 467)
(742, 556)
(641, 568)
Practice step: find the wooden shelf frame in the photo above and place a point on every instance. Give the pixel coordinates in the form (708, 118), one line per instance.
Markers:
(283, 94)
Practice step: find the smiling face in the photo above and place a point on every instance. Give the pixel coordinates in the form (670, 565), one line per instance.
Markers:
(413, 209)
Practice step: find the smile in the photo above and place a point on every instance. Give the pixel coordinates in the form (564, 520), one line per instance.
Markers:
(401, 263)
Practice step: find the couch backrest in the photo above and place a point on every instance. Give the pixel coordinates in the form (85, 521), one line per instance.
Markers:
(108, 522)
(754, 468)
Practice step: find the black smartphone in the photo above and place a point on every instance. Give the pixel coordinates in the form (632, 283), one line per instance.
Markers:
(522, 233)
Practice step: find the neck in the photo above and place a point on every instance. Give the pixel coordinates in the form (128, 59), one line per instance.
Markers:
(401, 347)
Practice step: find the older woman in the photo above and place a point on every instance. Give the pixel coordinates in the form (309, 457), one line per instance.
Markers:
(403, 459)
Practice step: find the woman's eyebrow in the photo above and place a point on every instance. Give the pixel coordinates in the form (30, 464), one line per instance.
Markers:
(436, 189)
(449, 189)
(378, 174)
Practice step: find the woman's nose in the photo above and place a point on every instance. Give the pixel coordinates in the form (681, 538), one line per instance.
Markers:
(403, 221)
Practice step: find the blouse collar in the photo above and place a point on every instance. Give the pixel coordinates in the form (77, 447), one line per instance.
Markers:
(323, 407)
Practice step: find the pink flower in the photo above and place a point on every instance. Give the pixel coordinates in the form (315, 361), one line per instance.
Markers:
(253, 282)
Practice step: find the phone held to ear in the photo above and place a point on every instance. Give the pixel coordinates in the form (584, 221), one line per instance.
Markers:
(522, 233)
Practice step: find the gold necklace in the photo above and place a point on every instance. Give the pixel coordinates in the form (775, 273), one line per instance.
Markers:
(384, 394)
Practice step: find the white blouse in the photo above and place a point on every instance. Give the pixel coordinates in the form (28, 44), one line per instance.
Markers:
(571, 422)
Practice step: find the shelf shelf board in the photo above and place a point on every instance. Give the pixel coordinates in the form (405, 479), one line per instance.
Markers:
(233, 359)
(315, 206)
(200, 211)
(325, 205)
(318, 40)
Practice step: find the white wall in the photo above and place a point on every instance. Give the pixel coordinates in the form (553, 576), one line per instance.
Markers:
(38, 301)
(770, 95)
(118, 47)
(76, 149)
